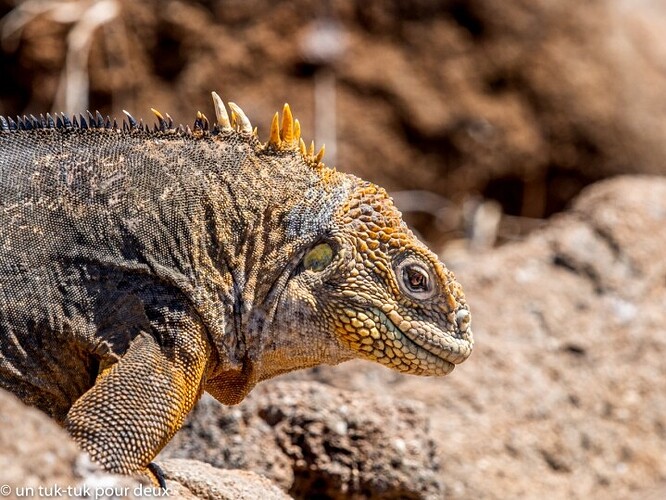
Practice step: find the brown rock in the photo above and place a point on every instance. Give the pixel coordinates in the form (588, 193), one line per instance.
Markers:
(332, 443)
(36, 453)
(194, 479)
(570, 325)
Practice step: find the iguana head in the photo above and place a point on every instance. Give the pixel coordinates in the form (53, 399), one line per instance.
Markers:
(362, 284)
(379, 292)
(388, 297)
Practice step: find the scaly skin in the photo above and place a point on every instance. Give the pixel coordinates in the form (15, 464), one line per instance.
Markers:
(138, 269)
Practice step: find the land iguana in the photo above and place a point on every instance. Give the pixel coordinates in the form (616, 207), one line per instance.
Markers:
(140, 267)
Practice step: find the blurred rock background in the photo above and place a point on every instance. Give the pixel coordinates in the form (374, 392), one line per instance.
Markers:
(485, 120)
(521, 102)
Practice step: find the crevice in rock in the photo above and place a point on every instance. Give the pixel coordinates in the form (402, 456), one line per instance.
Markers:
(554, 462)
(587, 272)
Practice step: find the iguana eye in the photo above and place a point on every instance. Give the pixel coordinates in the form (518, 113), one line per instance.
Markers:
(415, 279)
(318, 257)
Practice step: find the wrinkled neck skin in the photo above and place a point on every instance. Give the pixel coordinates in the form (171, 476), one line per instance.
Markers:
(267, 211)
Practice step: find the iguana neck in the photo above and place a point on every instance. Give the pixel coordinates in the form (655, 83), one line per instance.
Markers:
(280, 207)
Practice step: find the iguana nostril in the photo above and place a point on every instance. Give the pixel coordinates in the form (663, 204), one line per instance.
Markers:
(463, 319)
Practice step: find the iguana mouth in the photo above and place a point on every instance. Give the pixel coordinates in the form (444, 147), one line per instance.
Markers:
(415, 347)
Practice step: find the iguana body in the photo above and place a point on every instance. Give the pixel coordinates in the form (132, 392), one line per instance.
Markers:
(138, 269)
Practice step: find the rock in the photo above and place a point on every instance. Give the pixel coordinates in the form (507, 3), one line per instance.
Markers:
(326, 442)
(37, 453)
(194, 479)
(570, 324)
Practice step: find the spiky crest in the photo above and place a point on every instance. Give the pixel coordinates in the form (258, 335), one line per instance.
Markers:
(239, 120)
(287, 136)
(284, 135)
(221, 113)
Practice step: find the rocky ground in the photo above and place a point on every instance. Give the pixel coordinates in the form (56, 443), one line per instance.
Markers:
(456, 107)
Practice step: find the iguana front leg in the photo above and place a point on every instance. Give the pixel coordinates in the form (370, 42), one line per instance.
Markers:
(139, 403)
